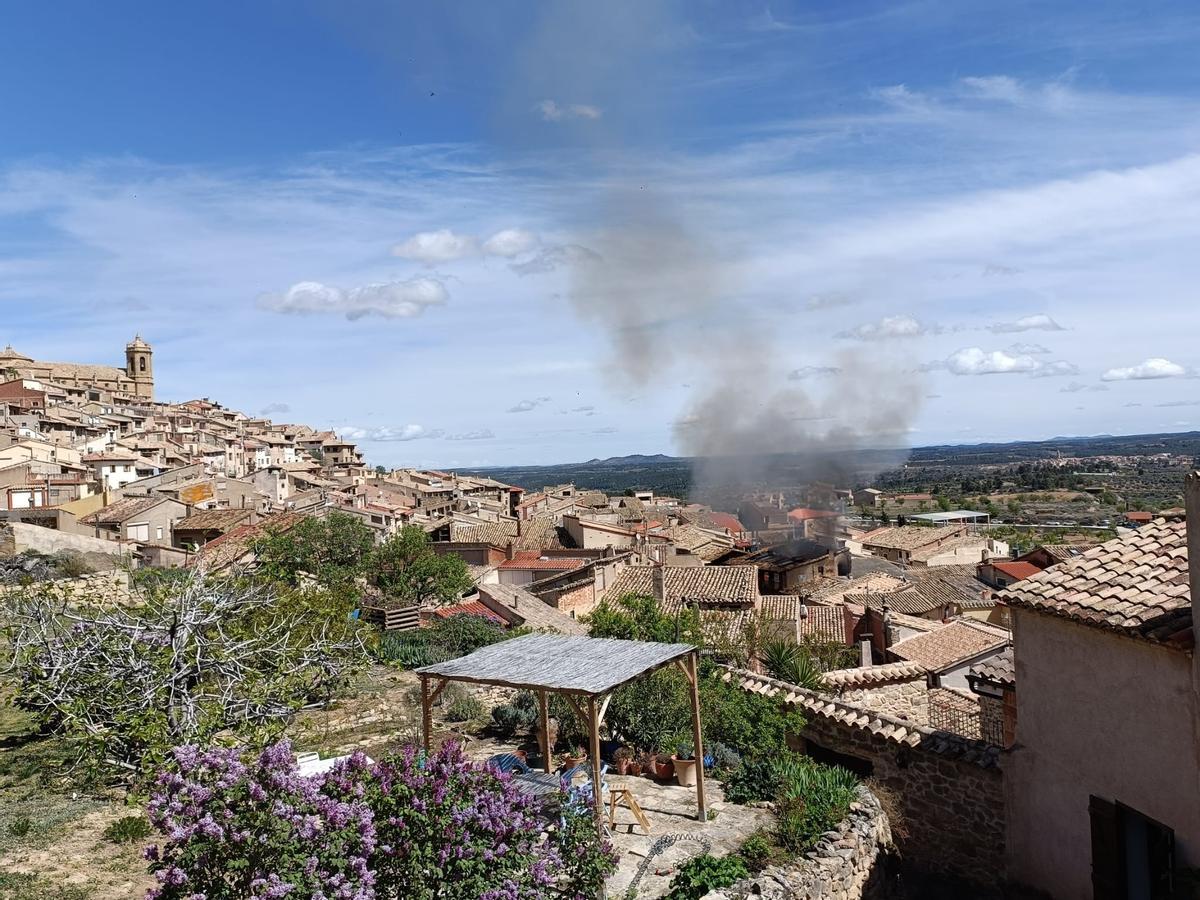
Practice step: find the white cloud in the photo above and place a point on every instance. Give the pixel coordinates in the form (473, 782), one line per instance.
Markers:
(1171, 403)
(975, 361)
(1055, 368)
(1038, 322)
(271, 408)
(528, 405)
(1027, 349)
(550, 258)
(812, 372)
(887, 328)
(552, 111)
(483, 434)
(432, 247)
(386, 434)
(510, 242)
(1155, 367)
(387, 299)
(1076, 387)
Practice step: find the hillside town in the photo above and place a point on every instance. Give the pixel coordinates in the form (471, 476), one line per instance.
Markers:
(983, 693)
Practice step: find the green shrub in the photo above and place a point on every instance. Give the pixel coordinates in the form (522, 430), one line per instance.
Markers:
(789, 662)
(754, 781)
(443, 640)
(752, 724)
(516, 718)
(705, 873)
(20, 828)
(755, 850)
(128, 830)
(462, 706)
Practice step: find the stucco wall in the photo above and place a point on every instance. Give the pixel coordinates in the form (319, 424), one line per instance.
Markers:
(1103, 715)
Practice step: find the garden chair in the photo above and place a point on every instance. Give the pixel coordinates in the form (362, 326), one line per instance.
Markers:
(508, 763)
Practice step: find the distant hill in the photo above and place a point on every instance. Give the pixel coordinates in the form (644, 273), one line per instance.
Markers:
(671, 475)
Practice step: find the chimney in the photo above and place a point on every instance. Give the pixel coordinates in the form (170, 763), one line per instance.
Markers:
(864, 650)
(508, 551)
(518, 526)
(656, 575)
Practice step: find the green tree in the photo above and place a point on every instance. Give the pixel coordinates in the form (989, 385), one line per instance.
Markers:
(333, 551)
(406, 568)
(943, 503)
(638, 617)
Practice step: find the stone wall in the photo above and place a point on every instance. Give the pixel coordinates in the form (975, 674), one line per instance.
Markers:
(907, 700)
(952, 808)
(97, 587)
(19, 536)
(848, 863)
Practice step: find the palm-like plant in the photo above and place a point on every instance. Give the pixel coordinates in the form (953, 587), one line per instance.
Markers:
(789, 662)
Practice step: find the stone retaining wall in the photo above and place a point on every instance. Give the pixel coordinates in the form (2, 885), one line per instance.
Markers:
(848, 863)
(95, 588)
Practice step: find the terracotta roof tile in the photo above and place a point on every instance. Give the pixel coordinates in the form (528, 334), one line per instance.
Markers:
(949, 645)
(703, 583)
(998, 669)
(1136, 584)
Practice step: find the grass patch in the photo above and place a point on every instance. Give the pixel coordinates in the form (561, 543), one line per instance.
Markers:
(128, 830)
(23, 886)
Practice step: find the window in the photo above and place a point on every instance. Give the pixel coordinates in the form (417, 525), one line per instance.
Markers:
(142, 363)
(138, 532)
(1132, 855)
(158, 533)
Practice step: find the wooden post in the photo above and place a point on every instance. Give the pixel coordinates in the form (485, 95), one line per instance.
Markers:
(693, 665)
(594, 751)
(426, 714)
(544, 722)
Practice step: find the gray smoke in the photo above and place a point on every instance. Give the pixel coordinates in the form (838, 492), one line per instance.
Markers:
(660, 282)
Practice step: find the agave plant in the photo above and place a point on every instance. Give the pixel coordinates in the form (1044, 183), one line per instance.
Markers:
(789, 662)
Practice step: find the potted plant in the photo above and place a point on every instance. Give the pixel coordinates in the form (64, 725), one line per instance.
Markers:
(573, 758)
(635, 767)
(664, 766)
(621, 758)
(684, 762)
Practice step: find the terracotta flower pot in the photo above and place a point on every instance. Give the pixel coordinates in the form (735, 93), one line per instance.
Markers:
(685, 771)
(664, 769)
(634, 768)
(571, 762)
(622, 766)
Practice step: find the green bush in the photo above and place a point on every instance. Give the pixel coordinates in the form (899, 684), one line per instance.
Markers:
(702, 874)
(789, 662)
(755, 850)
(444, 639)
(20, 828)
(516, 718)
(462, 707)
(754, 781)
(128, 830)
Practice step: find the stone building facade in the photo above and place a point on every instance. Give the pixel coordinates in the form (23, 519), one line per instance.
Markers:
(135, 378)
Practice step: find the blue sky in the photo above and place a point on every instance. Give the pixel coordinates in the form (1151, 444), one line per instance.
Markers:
(520, 232)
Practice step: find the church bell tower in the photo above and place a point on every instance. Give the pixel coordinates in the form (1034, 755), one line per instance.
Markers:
(139, 366)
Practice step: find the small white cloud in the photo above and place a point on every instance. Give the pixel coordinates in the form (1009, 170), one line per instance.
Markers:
(1155, 367)
(804, 372)
(432, 247)
(389, 434)
(1039, 322)
(827, 301)
(995, 87)
(481, 435)
(1170, 403)
(1076, 387)
(550, 258)
(389, 300)
(1056, 368)
(887, 328)
(510, 242)
(552, 111)
(528, 405)
(1022, 349)
(274, 408)
(975, 361)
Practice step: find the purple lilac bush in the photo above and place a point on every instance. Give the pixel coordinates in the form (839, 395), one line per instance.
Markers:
(407, 827)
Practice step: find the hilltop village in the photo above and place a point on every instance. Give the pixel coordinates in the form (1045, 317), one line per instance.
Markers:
(990, 697)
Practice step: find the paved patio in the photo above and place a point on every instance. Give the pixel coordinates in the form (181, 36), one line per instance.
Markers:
(671, 810)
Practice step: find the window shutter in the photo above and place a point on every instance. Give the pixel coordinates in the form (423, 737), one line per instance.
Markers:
(1107, 883)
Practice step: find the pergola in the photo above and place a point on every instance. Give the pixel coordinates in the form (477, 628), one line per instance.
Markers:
(583, 670)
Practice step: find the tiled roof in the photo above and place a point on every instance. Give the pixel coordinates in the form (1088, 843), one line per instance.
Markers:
(949, 645)
(901, 732)
(535, 562)
(122, 510)
(532, 611)
(788, 555)
(803, 514)
(716, 583)
(1136, 584)
(213, 519)
(875, 582)
(469, 608)
(536, 534)
(908, 601)
(1063, 552)
(921, 554)
(229, 548)
(873, 675)
(824, 623)
(727, 521)
(908, 537)
(998, 669)
(1014, 569)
